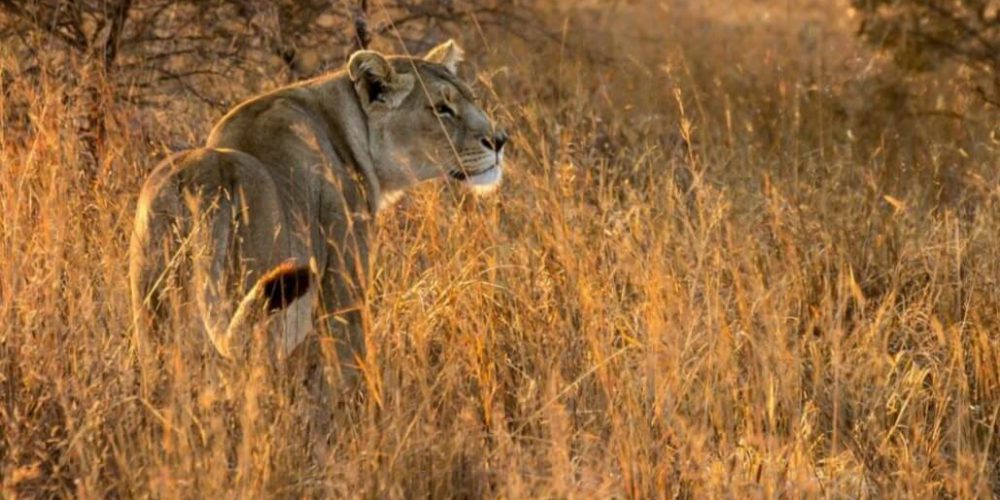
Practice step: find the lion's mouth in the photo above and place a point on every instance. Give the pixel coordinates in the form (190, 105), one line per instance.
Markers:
(461, 175)
(481, 181)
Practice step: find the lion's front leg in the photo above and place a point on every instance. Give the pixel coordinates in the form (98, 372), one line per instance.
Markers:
(341, 249)
(331, 364)
(342, 328)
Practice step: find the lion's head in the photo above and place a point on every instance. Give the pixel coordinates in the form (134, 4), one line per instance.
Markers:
(424, 122)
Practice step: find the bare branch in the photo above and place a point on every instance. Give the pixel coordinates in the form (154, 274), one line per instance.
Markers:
(117, 18)
(362, 35)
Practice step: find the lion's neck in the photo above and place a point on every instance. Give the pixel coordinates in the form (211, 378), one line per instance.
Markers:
(342, 112)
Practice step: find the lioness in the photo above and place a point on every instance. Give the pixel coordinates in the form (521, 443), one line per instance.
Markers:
(271, 217)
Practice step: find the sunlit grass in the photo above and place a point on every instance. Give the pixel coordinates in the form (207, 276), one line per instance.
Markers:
(801, 303)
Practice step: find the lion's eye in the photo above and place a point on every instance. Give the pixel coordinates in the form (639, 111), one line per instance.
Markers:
(444, 110)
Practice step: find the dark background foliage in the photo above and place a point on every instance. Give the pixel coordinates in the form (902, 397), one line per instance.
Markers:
(144, 51)
(962, 36)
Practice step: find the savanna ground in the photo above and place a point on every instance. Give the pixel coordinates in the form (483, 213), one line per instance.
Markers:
(735, 255)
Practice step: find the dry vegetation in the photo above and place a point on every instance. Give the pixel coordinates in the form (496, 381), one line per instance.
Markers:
(735, 255)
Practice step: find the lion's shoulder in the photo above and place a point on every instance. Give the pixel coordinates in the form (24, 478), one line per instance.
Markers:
(260, 117)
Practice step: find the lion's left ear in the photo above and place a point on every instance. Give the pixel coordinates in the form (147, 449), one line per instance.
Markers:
(448, 54)
(376, 81)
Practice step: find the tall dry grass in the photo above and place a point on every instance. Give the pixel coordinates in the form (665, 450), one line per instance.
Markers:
(730, 259)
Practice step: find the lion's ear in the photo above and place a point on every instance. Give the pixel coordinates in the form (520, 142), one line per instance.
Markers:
(448, 54)
(375, 80)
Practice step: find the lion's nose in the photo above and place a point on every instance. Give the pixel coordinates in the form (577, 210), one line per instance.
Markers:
(499, 140)
(496, 142)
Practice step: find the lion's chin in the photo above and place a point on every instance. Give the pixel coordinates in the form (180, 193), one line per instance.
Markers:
(486, 182)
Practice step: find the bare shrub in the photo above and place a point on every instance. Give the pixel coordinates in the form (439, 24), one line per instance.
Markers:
(924, 35)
